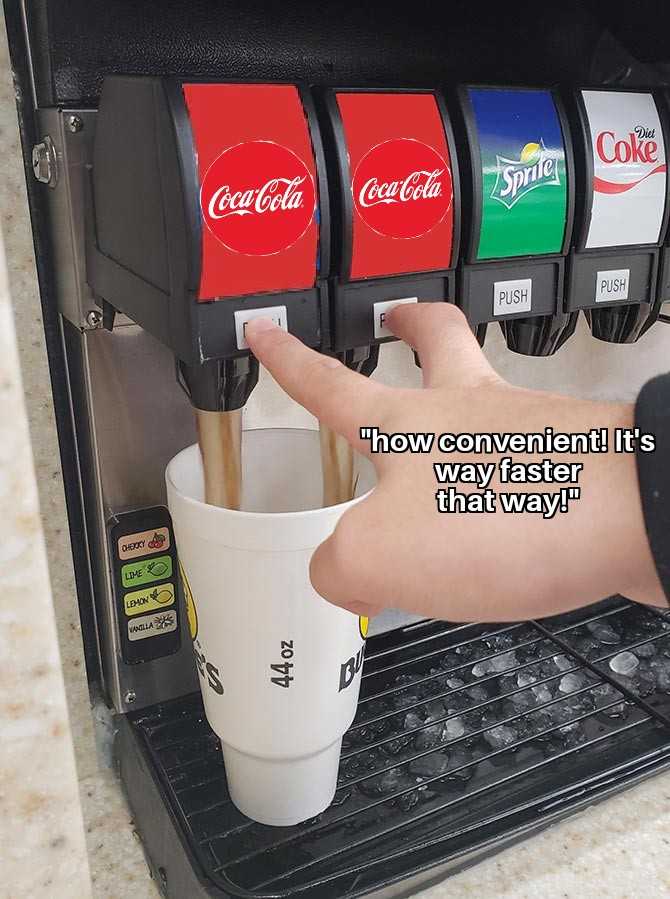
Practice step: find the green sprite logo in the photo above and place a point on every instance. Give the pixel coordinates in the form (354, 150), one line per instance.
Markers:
(517, 177)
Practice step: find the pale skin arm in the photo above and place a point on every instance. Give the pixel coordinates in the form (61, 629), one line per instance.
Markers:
(395, 549)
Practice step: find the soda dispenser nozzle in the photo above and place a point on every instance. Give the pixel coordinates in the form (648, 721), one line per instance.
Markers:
(622, 324)
(220, 385)
(541, 336)
(218, 390)
(363, 359)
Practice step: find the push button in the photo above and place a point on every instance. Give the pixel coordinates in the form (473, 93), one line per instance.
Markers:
(379, 311)
(276, 314)
(612, 285)
(511, 297)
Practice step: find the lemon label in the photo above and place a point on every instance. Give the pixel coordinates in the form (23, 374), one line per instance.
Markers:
(149, 599)
(191, 612)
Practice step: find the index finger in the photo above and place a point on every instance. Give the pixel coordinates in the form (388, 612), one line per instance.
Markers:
(340, 398)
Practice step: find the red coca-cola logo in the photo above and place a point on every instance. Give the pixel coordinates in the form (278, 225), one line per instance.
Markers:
(638, 147)
(258, 198)
(402, 188)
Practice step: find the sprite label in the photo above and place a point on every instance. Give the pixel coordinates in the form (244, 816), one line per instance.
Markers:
(523, 172)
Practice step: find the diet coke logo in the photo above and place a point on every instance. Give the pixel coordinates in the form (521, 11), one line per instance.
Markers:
(638, 148)
(402, 188)
(258, 198)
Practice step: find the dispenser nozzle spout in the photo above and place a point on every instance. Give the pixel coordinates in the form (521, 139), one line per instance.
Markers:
(362, 359)
(219, 385)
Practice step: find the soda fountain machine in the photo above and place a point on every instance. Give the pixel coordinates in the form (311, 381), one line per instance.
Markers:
(188, 169)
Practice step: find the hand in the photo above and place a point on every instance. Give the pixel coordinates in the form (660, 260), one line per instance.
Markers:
(395, 549)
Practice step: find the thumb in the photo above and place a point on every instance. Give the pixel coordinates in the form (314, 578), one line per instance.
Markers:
(343, 569)
(447, 348)
(332, 573)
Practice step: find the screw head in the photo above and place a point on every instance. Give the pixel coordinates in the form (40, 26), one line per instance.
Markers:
(75, 123)
(130, 697)
(94, 318)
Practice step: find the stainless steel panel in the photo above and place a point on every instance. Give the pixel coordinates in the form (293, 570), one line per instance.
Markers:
(131, 418)
(66, 210)
(141, 416)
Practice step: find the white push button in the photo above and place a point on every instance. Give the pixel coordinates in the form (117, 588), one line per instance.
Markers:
(379, 311)
(277, 314)
(510, 297)
(612, 285)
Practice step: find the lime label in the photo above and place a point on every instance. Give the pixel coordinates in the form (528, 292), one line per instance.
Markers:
(146, 572)
(524, 198)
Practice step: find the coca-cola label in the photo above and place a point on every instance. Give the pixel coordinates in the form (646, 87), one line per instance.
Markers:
(258, 198)
(629, 168)
(400, 181)
(402, 188)
(258, 195)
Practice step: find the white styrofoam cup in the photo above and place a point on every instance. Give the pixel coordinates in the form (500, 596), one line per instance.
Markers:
(251, 606)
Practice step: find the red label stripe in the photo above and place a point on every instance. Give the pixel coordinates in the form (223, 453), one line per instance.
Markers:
(617, 187)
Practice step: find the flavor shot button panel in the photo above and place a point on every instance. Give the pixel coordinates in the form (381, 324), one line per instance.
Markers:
(144, 565)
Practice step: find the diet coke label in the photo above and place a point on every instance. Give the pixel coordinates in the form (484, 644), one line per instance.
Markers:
(638, 146)
(629, 168)
(258, 198)
(402, 188)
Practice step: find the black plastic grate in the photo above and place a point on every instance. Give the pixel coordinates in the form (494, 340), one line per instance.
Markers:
(463, 736)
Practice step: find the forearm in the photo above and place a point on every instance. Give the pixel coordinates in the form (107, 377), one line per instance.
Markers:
(606, 533)
(652, 415)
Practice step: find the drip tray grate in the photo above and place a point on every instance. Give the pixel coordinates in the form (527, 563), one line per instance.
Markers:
(465, 737)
